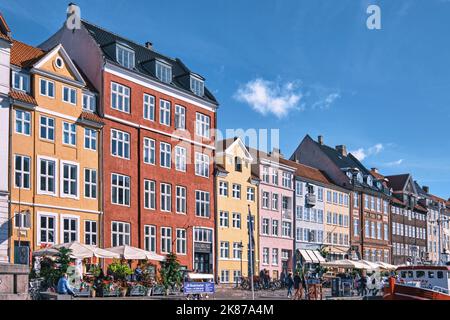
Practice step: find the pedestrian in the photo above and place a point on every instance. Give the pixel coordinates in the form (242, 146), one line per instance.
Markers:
(63, 285)
(266, 279)
(363, 285)
(297, 286)
(290, 284)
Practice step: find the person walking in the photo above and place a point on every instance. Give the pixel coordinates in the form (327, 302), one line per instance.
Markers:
(297, 286)
(64, 286)
(290, 285)
(363, 285)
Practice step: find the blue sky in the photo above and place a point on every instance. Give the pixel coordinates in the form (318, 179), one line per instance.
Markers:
(301, 67)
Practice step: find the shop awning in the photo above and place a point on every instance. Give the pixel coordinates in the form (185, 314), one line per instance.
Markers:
(132, 253)
(312, 256)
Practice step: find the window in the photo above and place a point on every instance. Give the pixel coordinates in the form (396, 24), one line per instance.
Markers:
(90, 139)
(202, 125)
(236, 191)
(274, 177)
(223, 219)
(163, 72)
(165, 152)
(149, 195)
(120, 234)
(166, 197)
(265, 255)
(265, 226)
(22, 172)
(274, 201)
(120, 97)
(47, 229)
(237, 250)
(21, 81)
(335, 197)
(286, 229)
(265, 174)
(180, 117)
(47, 128)
(90, 233)
(224, 249)
(379, 235)
(125, 56)
(202, 235)
(250, 194)
(69, 95)
(149, 151)
(224, 276)
(275, 257)
(320, 194)
(299, 212)
(223, 188)
(120, 144)
(23, 122)
(164, 112)
(236, 276)
(166, 240)
(386, 232)
(298, 188)
(22, 220)
(47, 176)
(329, 219)
(355, 200)
(197, 86)
(120, 189)
(47, 88)
(89, 103)
(201, 165)
(329, 196)
(275, 227)
(236, 220)
(181, 199)
(70, 230)
(286, 180)
(181, 241)
(372, 230)
(90, 183)
(150, 238)
(265, 200)
(69, 180)
(69, 133)
(202, 204)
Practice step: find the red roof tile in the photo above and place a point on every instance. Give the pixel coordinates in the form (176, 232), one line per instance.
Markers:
(22, 96)
(91, 117)
(24, 55)
(307, 172)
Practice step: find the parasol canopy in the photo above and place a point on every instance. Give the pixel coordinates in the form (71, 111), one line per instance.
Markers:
(132, 253)
(78, 251)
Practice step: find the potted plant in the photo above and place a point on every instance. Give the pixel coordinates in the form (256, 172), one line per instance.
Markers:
(120, 271)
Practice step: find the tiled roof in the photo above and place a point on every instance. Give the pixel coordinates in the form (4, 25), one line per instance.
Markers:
(22, 96)
(307, 172)
(105, 39)
(224, 144)
(397, 182)
(221, 168)
(91, 117)
(4, 36)
(397, 201)
(24, 55)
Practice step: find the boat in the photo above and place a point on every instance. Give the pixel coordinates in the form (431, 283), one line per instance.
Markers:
(419, 283)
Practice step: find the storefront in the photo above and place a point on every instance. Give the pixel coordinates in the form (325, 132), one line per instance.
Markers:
(203, 250)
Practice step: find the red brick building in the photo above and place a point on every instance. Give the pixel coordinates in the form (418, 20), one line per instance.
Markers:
(158, 187)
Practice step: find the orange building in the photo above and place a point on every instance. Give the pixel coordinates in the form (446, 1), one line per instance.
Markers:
(54, 159)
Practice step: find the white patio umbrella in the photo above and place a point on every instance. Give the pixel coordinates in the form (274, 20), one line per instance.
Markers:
(338, 264)
(83, 251)
(45, 252)
(372, 265)
(387, 266)
(132, 253)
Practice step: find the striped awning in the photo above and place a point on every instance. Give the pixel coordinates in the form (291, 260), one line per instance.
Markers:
(312, 256)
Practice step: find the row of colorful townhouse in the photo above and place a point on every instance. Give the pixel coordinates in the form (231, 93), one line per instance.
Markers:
(108, 142)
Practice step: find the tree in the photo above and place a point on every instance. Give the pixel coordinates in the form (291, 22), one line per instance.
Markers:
(170, 272)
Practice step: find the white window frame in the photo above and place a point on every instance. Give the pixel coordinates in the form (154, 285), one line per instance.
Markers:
(88, 174)
(90, 139)
(149, 151)
(62, 179)
(125, 56)
(71, 94)
(22, 172)
(251, 194)
(202, 125)
(180, 158)
(47, 176)
(25, 122)
(123, 187)
(165, 197)
(202, 204)
(41, 214)
(89, 102)
(181, 199)
(223, 188)
(149, 106)
(47, 128)
(166, 240)
(72, 133)
(149, 194)
(47, 87)
(125, 235)
(201, 165)
(150, 238)
(123, 138)
(163, 71)
(62, 230)
(165, 150)
(236, 191)
(197, 86)
(24, 81)
(180, 117)
(181, 241)
(123, 94)
(90, 234)
(165, 112)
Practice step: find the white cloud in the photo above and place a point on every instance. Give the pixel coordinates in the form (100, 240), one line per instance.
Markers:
(394, 163)
(326, 102)
(363, 153)
(268, 97)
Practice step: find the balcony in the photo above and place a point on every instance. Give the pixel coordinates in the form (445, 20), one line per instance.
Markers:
(310, 199)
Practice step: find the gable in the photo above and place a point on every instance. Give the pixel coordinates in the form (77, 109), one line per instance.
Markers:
(57, 62)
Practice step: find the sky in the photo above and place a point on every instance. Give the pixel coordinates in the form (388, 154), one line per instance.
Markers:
(302, 67)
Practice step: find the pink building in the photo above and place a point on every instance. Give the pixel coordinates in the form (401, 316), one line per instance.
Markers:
(275, 213)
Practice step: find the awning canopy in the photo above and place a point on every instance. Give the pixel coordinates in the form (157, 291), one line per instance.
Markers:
(132, 253)
(312, 256)
(78, 251)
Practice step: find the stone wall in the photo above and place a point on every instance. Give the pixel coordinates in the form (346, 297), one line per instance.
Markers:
(13, 282)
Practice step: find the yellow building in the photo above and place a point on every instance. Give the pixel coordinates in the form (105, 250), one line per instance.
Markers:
(54, 158)
(337, 223)
(237, 192)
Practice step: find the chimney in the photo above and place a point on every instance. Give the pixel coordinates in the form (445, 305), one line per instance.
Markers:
(426, 189)
(320, 140)
(276, 152)
(375, 170)
(342, 149)
(149, 45)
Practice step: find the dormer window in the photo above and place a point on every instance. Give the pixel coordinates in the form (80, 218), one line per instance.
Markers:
(359, 177)
(21, 81)
(197, 86)
(89, 102)
(238, 164)
(163, 72)
(125, 56)
(369, 180)
(349, 175)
